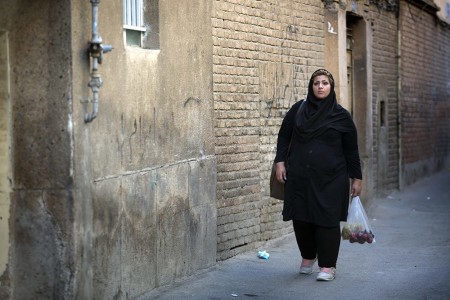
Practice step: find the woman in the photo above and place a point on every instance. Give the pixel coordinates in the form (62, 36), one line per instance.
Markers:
(321, 139)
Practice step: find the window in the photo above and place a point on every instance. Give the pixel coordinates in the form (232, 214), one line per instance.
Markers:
(141, 23)
(133, 22)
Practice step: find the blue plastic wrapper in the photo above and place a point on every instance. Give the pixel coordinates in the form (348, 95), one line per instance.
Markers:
(263, 254)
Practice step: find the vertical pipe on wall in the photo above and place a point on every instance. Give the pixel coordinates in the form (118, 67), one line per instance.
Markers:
(96, 50)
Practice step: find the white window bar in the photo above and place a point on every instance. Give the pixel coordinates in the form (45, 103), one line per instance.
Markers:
(133, 15)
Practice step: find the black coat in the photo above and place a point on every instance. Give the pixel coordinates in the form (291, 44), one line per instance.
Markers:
(317, 187)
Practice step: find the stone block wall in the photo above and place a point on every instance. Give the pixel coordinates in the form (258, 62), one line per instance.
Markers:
(152, 227)
(425, 92)
(264, 52)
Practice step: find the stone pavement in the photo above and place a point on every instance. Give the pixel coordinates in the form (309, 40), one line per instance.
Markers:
(410, 259)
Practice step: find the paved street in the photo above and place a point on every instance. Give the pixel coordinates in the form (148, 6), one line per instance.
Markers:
(410, 259)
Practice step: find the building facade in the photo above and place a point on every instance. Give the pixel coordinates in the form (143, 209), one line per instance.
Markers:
(125, 170)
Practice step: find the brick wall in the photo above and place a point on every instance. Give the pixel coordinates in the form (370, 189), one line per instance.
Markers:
(384, 75)
(264, 52)
(425, 106)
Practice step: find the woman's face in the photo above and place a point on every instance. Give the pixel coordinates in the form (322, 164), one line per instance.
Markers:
(321, 86)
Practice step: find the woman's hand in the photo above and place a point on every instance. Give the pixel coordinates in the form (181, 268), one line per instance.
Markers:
(281, 171)
(356, 187)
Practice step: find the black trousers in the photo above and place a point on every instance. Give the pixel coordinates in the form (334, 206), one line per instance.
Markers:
(316, 241)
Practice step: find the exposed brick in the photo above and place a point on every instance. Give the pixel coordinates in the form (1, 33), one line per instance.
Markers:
(262, 47)
(251, 37)
(385, 73)
(424, 100)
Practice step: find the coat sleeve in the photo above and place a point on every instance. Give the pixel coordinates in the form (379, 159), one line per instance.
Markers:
(351, 152)
(285, 133)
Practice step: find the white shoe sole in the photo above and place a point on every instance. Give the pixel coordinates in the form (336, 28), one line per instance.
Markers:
(306, 270)
(326, 276)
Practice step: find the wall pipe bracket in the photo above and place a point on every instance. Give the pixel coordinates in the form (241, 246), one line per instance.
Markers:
(95, 52)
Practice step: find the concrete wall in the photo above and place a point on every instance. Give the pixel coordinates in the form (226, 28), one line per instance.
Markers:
(40, 263)
(115, 207)
(5, 144)
(425, 90)
(149, 154)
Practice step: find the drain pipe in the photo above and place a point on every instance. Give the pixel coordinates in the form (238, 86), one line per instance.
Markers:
(96, 51)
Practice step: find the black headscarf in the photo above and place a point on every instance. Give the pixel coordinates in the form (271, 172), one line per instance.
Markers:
(316, 116)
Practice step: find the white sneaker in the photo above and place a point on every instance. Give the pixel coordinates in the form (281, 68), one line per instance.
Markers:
(307, 269)
(326, 275)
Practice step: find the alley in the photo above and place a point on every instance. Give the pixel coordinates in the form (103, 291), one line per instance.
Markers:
(410, 259)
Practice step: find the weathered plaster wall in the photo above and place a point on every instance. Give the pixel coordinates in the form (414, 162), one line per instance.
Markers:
(5, 162)
(335, 50)
(148, 158)
(118, 206)
(40, 261)
(5, 120)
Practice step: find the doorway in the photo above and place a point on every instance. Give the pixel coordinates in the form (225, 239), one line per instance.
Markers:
(359, 89)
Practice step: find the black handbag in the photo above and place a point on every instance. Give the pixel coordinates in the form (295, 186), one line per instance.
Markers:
(276, 187)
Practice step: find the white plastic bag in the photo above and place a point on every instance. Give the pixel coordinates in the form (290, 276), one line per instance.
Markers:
(357, 228)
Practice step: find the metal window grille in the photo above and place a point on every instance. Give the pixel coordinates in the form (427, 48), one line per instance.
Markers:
(133, 14)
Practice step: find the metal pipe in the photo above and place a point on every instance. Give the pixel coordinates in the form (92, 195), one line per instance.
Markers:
(95, 36)
(96, 50)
